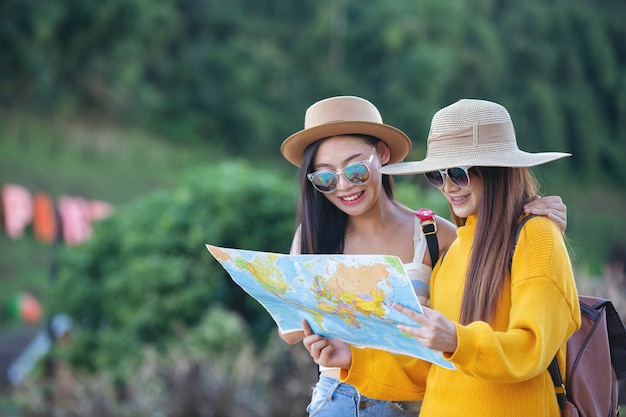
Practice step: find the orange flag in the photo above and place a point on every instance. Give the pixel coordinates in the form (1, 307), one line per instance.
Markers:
(44, 222)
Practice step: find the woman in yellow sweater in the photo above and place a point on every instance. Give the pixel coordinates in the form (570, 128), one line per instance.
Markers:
(499, 322)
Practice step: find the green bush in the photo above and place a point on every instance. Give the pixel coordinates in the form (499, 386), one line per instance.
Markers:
(146, 278)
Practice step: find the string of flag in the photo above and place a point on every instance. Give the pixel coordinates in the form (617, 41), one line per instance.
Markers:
(71, 216)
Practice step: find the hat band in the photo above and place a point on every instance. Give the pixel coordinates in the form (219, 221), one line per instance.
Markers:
(475, 135)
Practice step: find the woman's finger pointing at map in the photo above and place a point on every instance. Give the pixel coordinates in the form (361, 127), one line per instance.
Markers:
(435, 331)
(413, 315)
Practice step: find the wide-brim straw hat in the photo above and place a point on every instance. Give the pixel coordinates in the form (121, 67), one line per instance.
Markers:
(344, 115)
(472, 133)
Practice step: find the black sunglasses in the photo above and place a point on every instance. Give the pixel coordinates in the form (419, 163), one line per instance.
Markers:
(458, 175)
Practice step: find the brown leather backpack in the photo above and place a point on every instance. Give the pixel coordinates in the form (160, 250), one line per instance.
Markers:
(595, 360)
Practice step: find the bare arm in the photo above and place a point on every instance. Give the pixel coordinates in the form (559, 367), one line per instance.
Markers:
(292, 337)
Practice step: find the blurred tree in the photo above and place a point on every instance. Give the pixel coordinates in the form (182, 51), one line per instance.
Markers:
(565, 68)
(78, 56)
(146, 277)
(240, 73)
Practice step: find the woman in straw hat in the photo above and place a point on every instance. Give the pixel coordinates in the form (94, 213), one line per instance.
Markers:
(347, 206)
(501, 307)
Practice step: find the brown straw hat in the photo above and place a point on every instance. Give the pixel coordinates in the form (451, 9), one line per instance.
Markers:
(344, 115)
(472, 133)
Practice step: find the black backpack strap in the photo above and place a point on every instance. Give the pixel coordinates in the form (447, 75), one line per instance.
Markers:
(617, 339)
(559, 387)
(429, 229)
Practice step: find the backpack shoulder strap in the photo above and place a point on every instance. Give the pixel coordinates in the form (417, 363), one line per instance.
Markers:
(617, 336)
(429, 229)
(559, 387)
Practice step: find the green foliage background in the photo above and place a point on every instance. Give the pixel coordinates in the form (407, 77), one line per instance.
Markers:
(239, 74)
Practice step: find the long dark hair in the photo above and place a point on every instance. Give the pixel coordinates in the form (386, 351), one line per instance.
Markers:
(322, 224)
(505, 191)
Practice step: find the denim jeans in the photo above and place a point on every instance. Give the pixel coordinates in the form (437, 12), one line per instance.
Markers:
(331, 398)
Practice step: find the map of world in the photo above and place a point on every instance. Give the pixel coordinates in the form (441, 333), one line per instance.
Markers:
(347, 297)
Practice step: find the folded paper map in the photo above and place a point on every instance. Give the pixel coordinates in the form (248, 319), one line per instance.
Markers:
(347, 297)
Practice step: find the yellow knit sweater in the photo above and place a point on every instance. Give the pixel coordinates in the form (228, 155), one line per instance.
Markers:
(501, 368)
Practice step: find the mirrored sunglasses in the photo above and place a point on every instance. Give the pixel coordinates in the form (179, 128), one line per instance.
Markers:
(458, 175)
(358, 173)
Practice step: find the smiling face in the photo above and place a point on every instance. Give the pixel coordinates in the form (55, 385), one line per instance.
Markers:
(334, 154)
(464, 201)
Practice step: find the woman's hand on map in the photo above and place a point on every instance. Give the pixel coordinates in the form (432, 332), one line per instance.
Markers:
(436, 331)
(325, 351)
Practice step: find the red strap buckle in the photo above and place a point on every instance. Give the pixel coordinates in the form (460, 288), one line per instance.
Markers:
(425, 214)
(427, 217)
